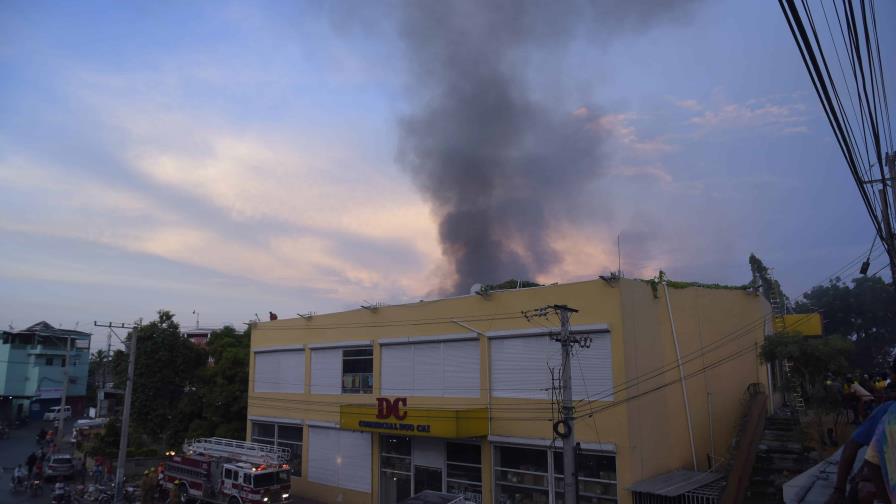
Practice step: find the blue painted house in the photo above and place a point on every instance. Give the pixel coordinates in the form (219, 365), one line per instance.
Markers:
(33, 368)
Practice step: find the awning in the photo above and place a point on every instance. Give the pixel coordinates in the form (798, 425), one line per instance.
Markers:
(403, 421)
(675, 483)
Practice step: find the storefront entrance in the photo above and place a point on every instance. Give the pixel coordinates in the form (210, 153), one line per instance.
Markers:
(409, 466)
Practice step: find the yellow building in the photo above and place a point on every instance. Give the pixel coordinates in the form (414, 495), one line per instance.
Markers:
(455, 394)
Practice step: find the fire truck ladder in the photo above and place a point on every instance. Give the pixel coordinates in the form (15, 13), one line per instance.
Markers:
(255, 453)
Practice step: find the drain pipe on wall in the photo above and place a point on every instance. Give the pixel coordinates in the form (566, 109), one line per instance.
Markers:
(684, 387)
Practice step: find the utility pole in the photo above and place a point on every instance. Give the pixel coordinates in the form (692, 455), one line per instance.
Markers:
(61, 420)
(887, 212)
(565, 428)
(126, 414)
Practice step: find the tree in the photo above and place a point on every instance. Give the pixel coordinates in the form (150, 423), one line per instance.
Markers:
(763, 280)
(861, 312)
(167, 368)
(811, 357)
(223, 392)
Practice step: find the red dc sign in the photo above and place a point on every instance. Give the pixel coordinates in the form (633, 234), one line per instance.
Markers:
(386, 408)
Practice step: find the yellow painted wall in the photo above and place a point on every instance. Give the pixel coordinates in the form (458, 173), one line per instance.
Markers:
(649, 430)
(730, 326)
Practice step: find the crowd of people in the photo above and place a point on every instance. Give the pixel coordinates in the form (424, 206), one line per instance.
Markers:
(872, 402)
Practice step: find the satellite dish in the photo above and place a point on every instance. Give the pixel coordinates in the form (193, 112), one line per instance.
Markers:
(476, 288)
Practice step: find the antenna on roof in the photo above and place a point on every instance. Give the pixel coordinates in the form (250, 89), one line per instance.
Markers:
(307, 316)
(372, 306)
(256, 318)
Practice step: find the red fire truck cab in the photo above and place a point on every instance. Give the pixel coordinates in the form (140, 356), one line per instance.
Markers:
(226, 471)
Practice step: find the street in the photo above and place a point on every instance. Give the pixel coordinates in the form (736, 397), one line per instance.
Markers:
(14, 451)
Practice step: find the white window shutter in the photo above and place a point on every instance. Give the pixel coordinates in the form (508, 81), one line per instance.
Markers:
(592, 370)
(428, 369)
(292, 371)
(519, 367)
(397, 370)
(326, 371)
(354, 461)
(461, 359)
(267, 372)
(323, 454)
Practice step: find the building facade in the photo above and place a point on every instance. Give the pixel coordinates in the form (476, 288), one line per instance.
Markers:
(457, 395)
(33, 369)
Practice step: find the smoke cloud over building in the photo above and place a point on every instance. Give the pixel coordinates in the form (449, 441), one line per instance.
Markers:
(498, 163)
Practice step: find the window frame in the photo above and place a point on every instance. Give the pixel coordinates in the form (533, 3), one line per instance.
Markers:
(295, 470)
(362, 389)
(552, 479)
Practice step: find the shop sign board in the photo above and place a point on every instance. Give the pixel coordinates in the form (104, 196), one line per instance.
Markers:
(392, 415)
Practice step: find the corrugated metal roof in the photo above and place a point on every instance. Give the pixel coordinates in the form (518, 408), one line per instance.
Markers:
(45, 329)
(675, 483)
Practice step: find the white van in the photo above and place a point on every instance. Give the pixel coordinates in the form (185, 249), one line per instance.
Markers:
(53, 414)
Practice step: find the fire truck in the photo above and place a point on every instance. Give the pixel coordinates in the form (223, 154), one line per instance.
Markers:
(226, 471)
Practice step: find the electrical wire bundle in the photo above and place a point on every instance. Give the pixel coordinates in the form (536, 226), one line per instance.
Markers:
(855, 99)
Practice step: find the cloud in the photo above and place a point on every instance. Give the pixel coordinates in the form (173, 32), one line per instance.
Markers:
(619, 127)
(689, 104)
(756, 113)
(654, 171)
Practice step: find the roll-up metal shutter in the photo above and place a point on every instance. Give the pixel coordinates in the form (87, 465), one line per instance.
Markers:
(280, 371)
(397, 370)
(339, 458)
(461, 368)
(442, 369)
(520, 367)
(323, 466)
(267, 372)
(428, 369)
(326, 371)
(354, 467)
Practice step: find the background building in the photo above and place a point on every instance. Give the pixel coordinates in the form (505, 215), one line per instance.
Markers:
(456, 394)
(33, 369)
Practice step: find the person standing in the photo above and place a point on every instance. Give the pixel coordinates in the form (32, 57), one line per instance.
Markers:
(97, 472)
(30, 462)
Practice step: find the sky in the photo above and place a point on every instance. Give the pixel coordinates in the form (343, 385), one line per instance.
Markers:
(235, 158)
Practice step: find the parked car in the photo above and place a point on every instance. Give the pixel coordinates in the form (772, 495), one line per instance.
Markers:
(53, 414)
(60, 465)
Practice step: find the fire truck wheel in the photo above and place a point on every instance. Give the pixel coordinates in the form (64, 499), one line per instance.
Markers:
(234, 500)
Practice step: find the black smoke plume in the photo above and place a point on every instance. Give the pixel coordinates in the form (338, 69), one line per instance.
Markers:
(499, 163)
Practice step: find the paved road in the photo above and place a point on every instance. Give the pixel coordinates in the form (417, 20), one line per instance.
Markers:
(14, 451)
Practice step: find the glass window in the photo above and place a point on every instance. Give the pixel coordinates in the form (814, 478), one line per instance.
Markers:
(396, 445)
(521, 475)
(247, 479)
(522, 459)
(227, 473)
(464, 476)
(49, 361)
(395, 469)
(394, 487)
(597, 477)
(263, 430)
(464, 453)
(357, 370)
(282, 436)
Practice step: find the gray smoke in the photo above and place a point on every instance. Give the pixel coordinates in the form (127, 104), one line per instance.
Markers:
(499, 163)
